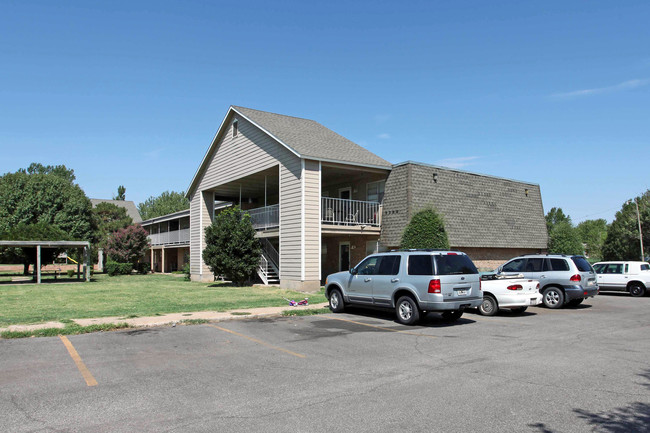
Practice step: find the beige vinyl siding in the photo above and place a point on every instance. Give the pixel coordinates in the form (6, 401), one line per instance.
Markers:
(249, 152)
(290, 220)
(312, 220)
(195, 234)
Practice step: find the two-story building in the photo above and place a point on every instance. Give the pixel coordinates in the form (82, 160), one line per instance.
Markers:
(317, 200)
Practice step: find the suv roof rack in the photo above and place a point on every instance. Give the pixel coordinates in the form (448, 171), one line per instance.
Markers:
(419, 249)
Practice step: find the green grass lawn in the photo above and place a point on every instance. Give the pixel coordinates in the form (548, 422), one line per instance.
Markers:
(132, 295)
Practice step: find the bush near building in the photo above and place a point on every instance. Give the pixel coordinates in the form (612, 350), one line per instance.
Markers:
(425, 230)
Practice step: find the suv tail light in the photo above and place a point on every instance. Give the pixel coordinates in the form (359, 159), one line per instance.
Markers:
(576, 278)
(434, 286)
(515, 287)
(538, 287)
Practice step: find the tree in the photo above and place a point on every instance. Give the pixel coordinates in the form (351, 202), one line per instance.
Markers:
(622, 241)
(555, 216)
(127, 245)
(425, 230)
(45, 198)
(231, 248)
(31, 232)
(109, 218)
(563, 239)
(166, 203)
(57, 170)
(121, 193)
(592, 234)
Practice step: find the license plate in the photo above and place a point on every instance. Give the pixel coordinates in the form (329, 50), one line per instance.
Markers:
(461, 292)
(533, 301)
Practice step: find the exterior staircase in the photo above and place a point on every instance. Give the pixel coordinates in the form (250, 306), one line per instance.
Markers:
(268, 270)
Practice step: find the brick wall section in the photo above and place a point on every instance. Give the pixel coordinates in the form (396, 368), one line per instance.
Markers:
(479, 211)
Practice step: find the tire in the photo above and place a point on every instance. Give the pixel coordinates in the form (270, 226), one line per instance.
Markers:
(407, 311)
(637, 290)
(336, 301)
(489, 307)
(452, 316)
(576, 302)
(519, 310)
(553, 298)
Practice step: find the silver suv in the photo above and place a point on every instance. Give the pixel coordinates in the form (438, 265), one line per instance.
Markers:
(562, 279)
(411, 282)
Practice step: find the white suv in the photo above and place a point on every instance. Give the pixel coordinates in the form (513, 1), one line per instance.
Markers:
(632, 277)
(411, 282)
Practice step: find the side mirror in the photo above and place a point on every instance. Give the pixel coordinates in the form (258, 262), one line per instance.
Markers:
(499, 269)
(353, 271)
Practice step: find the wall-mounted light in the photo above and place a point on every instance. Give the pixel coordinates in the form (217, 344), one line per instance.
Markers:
(250, 200)
(435, 177)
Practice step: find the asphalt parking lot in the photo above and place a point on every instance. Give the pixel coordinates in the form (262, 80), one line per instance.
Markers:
(570, 370)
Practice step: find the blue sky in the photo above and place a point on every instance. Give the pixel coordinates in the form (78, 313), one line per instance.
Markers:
(555, 93)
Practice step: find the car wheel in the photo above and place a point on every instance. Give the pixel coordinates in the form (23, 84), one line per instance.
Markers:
(452, 316)
(576, 302)
(336, 301)
(637, 290)
(519, 310)
(553, 297)
(489, 307)
(407, 311)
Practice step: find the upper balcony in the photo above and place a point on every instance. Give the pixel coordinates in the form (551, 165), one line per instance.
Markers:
(169, 230)
(337, 215)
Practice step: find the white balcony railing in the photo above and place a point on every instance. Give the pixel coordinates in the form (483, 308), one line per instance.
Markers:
(265, 217)
(339, 211)
(175, 237)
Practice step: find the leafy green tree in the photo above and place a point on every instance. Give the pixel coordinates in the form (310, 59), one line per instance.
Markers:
(555, 216)
(592, 234)
(109, 218)
(31, 232)
(231, 248)
(121, 193)
(128, 245)
(45, 198)
(57, 170)
(166, 203)
(622, 242)
(563, 239)
(425, 230)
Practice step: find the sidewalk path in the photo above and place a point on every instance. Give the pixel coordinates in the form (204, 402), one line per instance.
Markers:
(173, 318)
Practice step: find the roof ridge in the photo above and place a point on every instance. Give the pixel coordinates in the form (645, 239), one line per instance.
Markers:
(277, 114)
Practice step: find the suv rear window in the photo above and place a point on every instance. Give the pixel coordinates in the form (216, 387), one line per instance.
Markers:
(559, 265)
(645, 267)
(582, 264)
(420, 265)
(457, 264)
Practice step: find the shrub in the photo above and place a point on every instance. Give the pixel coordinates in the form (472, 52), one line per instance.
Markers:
(143, 268)
(70, 273)
(231, 248)
(115, 268)
(128, 245)
(187, 272)
(425, 230)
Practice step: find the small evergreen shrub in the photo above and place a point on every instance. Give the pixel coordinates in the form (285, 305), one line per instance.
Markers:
(114, 268)
(425, 230)
(143, 268)
(70, 273)
(187, 272)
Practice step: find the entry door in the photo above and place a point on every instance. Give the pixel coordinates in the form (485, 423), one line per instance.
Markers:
(344, 256)
(345, 193)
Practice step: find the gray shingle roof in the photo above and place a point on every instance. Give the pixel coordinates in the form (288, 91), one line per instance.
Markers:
(310, 139)
(131, 209)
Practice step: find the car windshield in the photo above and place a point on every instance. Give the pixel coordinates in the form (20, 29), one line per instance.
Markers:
(582, 264)
(455, 265)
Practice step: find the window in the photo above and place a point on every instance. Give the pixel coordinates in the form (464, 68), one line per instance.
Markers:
(368, 266)
(599, 268)
(375, 191)
(583, 265)
(645, 267)
(517, 265)
(388, 265)
(627, 268)
(614, 268)
(559, 265)
(457, 264)
(534, 265)
(235, 129)
(420, 265)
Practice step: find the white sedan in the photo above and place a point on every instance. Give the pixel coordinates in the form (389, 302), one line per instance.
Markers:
(512, 291)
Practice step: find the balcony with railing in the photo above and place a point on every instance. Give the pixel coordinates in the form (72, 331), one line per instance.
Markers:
(335, 212)
(174, 237)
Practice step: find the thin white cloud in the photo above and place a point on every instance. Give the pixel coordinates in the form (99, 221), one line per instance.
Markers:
(625, 85)
(384, 136)
(459, 162)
